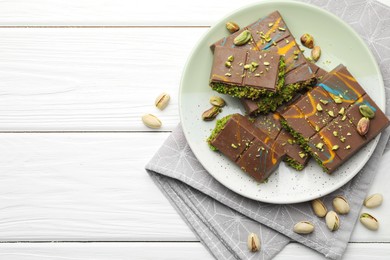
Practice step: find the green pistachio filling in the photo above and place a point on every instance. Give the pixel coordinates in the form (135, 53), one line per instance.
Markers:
(218, 128)
(294, 164)
(286, 93)
(303, 143)
(250, 92)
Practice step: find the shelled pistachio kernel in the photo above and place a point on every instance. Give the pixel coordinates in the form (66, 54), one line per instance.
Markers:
(232, 27)
(366, 111)
(253, 242)
(304, 227)
(369, 221)
(162, 101)
(332, 221)
(341, 205)
(373, 201)
(316, 53)
(151, 121)
(242, 38)
(307, 40)
(363, 126)
(211, 113)
(230, 58)
(217, 101)
(319, 208)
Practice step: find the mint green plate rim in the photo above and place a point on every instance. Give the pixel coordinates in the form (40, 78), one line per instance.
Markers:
(207, 163)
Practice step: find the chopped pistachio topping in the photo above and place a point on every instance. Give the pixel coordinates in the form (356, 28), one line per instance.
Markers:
(335, 133)
(270, 24)
(228, 74)
(343, 118)
(320, 145)
(290, 141)
(257, 75)
(287, 41)
(335, 147)
(338, 99)
(331, 113)
(230, 58)
(323, 101)
(317, 128)
(234, 146)
(266, 63)
(281, 29)
(302, 154)
(228, 64)
(342, 139)
(342, 111)
(247, 66)
(348, 147)
(349, 134)
(254, 64)
(319, 107)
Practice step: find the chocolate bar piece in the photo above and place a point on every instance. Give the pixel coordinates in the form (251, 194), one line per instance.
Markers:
(251, 149)
(265, 32)
(246, 73)
(270, 124)
(288, 93)
(272, 34)
(325, 120)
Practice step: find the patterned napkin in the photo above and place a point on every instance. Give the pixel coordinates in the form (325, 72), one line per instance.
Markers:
(223, 219)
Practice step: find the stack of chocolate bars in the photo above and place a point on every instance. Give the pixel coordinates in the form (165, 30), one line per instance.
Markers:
(295, 110)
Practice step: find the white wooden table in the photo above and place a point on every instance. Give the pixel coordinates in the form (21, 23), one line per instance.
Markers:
(74, 81)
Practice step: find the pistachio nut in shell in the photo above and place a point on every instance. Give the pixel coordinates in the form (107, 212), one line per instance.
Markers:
(253, 242)
(363, 126)
(162, 101)
(341, 205)
(366, 111)
(242, 38)
(373, 201)
(369, 221)
(316, 53)
(319, 208)
(307, 40)
(304, 227)
(332, 221)
(232, 27)
(151, 121)
(217, 101)
(211, 113)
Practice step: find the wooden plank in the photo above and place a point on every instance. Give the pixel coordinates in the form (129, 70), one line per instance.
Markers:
(83, 187)
(172, 251)
(90, 79)
(93, 187)
(118, 12)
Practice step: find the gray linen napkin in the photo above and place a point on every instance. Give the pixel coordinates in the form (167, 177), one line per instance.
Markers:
(223, 219)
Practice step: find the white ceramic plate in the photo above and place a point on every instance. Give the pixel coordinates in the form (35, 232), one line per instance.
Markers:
(339, 43)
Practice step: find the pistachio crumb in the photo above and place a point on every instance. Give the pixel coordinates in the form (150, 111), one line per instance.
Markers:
(349, 134)
(228, 74)
(331, 113)
(266, 63)
(231, 58)
(234, 146)
(342, 139)
(335, 133)
(320, 145)
(335, 147)
(302, 154)
(323, 101)
(348, 147)
(319, 107)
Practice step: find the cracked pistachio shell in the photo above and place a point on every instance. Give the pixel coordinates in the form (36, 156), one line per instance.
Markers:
(162, 101)
(253, 242)
(304, 227)
(332, 221)
(151, 121)
(341, 205)
(369, 221)
(319, 208)
(373, 201)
